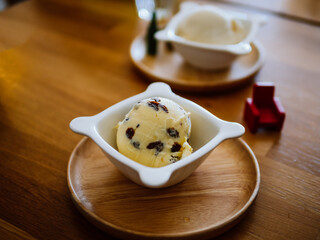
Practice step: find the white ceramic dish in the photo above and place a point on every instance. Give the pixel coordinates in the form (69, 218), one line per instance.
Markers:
(205, 55)
(207, 132)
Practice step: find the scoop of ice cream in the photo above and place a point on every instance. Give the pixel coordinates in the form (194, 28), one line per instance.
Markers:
(211, 25)
(155, 132)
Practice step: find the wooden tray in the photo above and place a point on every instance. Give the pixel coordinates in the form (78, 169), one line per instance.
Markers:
(168, 66)
(206, 204)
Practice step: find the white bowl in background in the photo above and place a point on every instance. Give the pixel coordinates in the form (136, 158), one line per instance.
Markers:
(207, 132)
(206, 55)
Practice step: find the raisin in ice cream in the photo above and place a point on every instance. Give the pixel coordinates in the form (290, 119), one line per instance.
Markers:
(155, 132)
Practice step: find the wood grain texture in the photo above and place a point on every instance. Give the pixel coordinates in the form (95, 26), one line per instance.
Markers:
(168, 66)
(209, 202)
(63, 59)
(8, 231)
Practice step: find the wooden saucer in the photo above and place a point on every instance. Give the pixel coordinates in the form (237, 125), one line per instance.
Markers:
(204, 205)
(168, 66)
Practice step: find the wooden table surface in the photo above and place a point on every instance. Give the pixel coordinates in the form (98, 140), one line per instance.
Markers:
(63, 59)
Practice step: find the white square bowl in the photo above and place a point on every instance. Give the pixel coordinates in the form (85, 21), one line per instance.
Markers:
(207, 132)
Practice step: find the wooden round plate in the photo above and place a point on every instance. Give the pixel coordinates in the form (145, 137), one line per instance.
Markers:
(168, 66)
(204, 205)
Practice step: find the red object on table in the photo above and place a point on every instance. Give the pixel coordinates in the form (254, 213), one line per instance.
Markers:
(263, 109)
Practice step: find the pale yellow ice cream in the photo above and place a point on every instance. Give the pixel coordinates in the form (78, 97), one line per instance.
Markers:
(155, 132)
(213, 26)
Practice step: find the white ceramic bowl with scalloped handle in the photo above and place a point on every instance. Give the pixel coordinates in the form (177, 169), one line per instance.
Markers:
(210, 56)
(207, 132)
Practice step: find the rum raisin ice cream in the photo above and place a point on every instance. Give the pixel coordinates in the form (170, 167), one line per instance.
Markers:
(155, 132)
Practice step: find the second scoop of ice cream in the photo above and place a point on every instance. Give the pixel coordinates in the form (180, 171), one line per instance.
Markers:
(155, 132)
(211, 25)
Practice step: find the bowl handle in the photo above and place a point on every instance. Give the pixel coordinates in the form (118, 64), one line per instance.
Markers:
(154, 179)
(232, 130)
(259, 19)
(82, 125)
(240, 48)
(156, 87)
(188, 6)
(162, 35)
